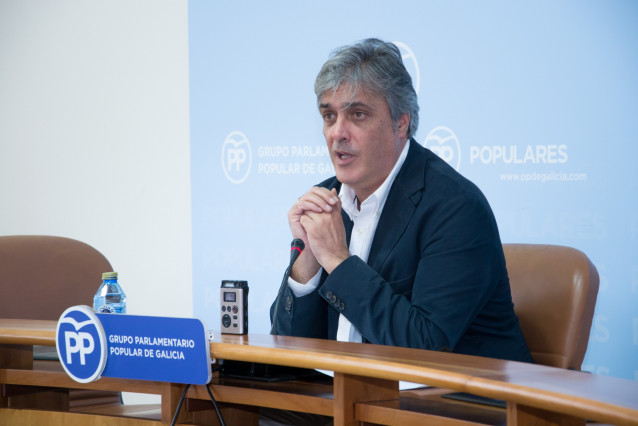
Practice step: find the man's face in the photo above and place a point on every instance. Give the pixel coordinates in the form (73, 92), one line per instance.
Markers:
(363, 141)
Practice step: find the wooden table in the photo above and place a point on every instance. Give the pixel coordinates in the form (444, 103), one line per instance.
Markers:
(364, 388)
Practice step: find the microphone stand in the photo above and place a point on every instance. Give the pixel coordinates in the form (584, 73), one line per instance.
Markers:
(296, 247)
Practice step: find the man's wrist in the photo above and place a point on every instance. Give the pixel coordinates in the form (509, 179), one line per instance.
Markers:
(304, 270)
(300, 289)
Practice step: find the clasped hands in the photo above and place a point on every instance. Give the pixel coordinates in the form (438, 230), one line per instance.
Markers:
(316, 219)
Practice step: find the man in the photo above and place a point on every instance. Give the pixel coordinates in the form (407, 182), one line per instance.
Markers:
(400, 248)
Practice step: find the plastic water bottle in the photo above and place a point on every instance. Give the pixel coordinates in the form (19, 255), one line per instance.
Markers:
(109, 297)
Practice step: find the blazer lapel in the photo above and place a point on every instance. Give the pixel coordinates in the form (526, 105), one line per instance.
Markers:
(399, 207)
(347, 223)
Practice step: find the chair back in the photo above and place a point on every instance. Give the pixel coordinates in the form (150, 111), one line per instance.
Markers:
(554, 290)
(41, 276)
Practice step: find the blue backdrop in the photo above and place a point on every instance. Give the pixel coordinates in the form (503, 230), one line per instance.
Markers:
(536, 102)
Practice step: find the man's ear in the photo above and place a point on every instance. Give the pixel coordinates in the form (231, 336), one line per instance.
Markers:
(403, 124)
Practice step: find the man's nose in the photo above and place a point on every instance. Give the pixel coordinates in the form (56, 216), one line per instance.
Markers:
(340, 130)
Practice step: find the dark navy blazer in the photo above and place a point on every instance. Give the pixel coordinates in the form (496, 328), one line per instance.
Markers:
(435, 277)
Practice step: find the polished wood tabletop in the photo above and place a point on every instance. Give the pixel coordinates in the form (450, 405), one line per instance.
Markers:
(576, 393)
(579, 394)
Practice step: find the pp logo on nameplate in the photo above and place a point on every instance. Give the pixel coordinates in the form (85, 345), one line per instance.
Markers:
(81, 344)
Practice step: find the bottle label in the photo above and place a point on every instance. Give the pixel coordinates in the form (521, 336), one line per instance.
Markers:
(106, 309)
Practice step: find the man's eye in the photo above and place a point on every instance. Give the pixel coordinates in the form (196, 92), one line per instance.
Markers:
(358, 115)
(328, 116)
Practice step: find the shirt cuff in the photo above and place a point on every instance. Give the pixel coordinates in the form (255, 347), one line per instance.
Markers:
(300, 290)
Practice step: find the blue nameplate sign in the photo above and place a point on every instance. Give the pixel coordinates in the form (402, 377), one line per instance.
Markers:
(163, 349)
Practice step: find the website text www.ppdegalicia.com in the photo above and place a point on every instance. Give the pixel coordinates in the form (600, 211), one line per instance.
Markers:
(543, 177)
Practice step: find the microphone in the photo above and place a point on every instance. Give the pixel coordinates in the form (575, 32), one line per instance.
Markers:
(296, 247)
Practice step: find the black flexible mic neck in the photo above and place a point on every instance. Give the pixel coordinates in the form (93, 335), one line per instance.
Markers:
(296, 247)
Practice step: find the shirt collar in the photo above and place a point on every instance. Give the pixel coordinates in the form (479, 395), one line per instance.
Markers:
(348, 197)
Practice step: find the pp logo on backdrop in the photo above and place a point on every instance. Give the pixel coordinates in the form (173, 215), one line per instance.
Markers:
(410, 63)
(443, 142)
(236, 157)
(81, 344)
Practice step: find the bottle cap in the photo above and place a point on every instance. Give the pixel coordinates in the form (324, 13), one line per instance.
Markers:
(107, 275)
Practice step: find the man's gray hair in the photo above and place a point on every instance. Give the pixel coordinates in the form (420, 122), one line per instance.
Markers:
(376, 66)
